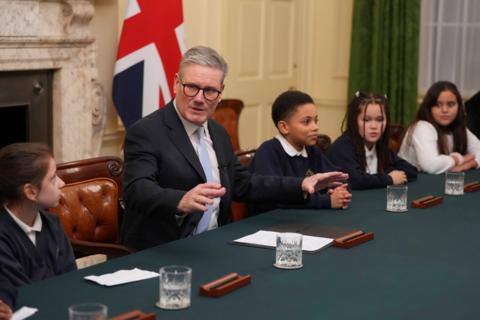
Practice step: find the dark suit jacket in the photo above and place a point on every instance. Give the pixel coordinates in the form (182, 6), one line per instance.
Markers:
(161, 166)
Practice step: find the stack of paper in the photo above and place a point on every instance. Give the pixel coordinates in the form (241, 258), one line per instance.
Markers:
(24, 313)
(269, 239)
(122, 276)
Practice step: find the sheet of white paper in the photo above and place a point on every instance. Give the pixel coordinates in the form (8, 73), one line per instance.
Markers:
(23, 313)
(122, 276)
(269, 239)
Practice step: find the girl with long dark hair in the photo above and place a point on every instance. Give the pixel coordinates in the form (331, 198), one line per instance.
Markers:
(362, 150)
(439, 140)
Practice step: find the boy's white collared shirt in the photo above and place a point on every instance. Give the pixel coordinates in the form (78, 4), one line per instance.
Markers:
(289, 149)
(31, 232)
(371, 160)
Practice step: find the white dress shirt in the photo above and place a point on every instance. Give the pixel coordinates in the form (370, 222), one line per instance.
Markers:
(191, 129)
(31, 232)
(372, 160)
(420, 148)
(289, 149)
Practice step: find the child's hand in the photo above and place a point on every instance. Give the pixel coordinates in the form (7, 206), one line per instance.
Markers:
(398, 177)
(321, 181)
(340, 197)
(468, 157)
(467, 165)
(5, 311)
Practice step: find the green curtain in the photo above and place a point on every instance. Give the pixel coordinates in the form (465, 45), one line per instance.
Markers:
(384, 53)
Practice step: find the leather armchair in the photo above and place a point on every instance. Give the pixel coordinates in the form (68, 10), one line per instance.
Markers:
(324, 142)
(85, 169)
(88, 211)
(80, 172)
(245, 157)
(396, 135)
(228, 114)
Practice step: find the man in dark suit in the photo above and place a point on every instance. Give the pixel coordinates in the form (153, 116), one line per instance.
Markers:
(181, 173)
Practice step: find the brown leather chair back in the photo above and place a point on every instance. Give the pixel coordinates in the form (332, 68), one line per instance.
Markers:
(85, 169)
(239, 209)
(324, 142)
(396, 136)
(89, 213)
(246, 157)
(88, 210)
(228, 115)
(108, 167)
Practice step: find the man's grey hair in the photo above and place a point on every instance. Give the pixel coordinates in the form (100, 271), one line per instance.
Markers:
(204, 56)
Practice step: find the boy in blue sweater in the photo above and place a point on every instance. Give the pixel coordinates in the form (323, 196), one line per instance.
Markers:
(293, 152)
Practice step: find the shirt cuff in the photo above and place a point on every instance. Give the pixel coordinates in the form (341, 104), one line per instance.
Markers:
(179, 217)
(477, 159)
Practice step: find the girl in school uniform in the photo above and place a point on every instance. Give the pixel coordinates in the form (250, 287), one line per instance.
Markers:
(439, 140)
(362, 150)
(33, 245)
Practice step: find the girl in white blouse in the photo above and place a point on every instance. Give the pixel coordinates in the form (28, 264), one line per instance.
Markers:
(438, 140)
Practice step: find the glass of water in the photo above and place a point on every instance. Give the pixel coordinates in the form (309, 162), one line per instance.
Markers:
(87, 311)
(288, 254)
(175, 287)
(454, 182)
(397, 198)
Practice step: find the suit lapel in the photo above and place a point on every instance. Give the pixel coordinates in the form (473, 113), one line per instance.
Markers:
(180, 139)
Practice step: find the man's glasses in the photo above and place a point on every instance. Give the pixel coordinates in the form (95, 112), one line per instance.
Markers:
(191, 90)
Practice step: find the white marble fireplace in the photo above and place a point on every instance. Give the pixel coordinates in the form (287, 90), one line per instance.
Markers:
(54, 35)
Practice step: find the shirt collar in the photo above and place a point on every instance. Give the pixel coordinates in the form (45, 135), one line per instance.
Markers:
(370, 153)
(37, 224)
(289, 149)
(190, 128)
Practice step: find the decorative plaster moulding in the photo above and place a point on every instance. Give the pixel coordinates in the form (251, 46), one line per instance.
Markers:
(55, 35)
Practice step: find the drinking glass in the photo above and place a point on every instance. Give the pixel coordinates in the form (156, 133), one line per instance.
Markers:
(397, 198)
(175, 287)
(454, 182)
(88, 311)
(288, 254)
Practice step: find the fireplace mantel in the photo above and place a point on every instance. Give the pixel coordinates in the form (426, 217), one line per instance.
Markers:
(54, 35)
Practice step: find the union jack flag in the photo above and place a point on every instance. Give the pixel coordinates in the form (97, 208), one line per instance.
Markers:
(149, 52)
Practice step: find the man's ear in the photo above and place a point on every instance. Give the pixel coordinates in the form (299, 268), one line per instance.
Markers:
(221, 93)
(30, 191)
(283, 127)
(176, 82)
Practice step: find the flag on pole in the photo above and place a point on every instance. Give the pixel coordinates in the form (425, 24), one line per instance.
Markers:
(149, 52)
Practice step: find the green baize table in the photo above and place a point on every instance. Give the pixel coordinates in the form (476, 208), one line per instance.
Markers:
(422, 264)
